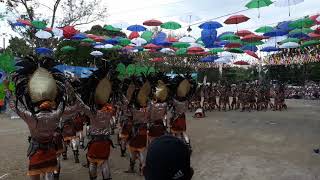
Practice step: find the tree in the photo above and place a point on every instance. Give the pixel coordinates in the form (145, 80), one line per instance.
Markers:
(100, 31)
(74, 12)
(19, 47)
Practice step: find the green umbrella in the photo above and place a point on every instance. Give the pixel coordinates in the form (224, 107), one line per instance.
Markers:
(257, 43)
(111, 28)
(229, 37)
(147, 35)
(264, 29)
(296, 40)
(216, 50)
(236, 41)
(310, 43)
(124, 41)
(180, 45)
(302, 23)
(181, 51)
(39, 24)
(68, 49)
(303, 30)
(171, 25)
(258, 4)
(235, 50)
(117, 47)
(87, 40)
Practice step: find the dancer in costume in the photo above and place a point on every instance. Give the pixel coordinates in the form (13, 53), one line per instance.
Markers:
(99, 92)
(40, 103)
(140, 116)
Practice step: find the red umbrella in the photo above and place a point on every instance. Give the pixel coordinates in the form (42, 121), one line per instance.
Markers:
(314, 35)
(48, 29)
(159, 59)
(98, 39)
(314, 18)
(25, 22)
(243, 33)
(134, 35)
(233, 45)
(152, 23)
(201, 53)
(241, 63)
(152, 46)
(317, 30)
(195, 50)
(251, 53)
(252, 38)
(128, 47)
(172, 39)
(236, 19)
(69, 31)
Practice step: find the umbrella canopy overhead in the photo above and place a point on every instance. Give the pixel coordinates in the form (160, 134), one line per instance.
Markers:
(139, 41)
(264, 29)
(147, 35)
(296, 40)
(43, 50)
(209, 59)
(96, 53)
(252, 54)
(189, 18)
(269, 49)
(111, 28)
(241, 63)
(287, 3)
(133, 35)
(302, 23)
(243, 33)
(210, 25)
(258, 4)
(252, 38)
(171, 25)
(68, 49)
(136, 28)
(43, 34)
(235, 50)
(39, 24)
(250, 48)
(310, 43)
(180, 45)
(236, 19)
(69, 31)
(187, 39)
(275, 33)
(152, 22)
(289, 45)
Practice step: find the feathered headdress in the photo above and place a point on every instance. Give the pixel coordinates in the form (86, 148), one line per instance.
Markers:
(184, 87)
(160, 90)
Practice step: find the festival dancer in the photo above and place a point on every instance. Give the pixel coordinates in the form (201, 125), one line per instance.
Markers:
(99, 92)
(184, 87)
(140, 116)
(234, 97)
(40, 103)
(158, 107)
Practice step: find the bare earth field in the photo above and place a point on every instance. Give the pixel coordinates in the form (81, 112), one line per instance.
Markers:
(226, 146)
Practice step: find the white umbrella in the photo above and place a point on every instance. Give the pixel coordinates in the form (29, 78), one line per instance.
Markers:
(100, 46)
(318, 19)
(287, 3)
(195, 45)
(187, 39)
(108, 46)
(289, 45)
(167, 51)
(57, 32)
(43, 34)
(222, 60)
(189, 18)
(139, 41)
(96, 53)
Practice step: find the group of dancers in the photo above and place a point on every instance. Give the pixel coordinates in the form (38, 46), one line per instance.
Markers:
(59, 109)
(245, 96)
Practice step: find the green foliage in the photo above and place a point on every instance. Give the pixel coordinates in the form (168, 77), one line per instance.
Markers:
(19, 47)
(98, 30)
(7, 62)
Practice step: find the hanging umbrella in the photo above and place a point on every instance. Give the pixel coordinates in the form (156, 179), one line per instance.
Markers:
(167, 51)
(134, 35)
(289, 45)
(296, 40)
(252, 38)
(68, 49)
(251, 53)
(229, 37)
(302, 23)
(87, 40)
(242, 33)
(315, 18)
(181, 51)
(136, 28)
(275, 32)
(57, 32)
(257, 43)
(195, 49)
(284, 26)
(258, 4)
(222, 60)
(100, 46)
(310, 43)
(147, 35)
(187, 39)
(139, 41)
(25, 22)
(96, 53)
(152, 23)
(69, 31)
(270, 49)
(108, 46)
(233, 45)
(287, 3)
(303, 30)
(216, 50)
(43, 34)
(189, 18)
(210, 25)
(39, 24)
(116, 47)
(111, 41)
(314, 35)
(209, 59)
(236, 19)
(43, 50)
(241, 63)
(235, 50)
(17, 24)
(152, 46)
(195, 45)
(171, 25)
(111, 28)
(264, 29)
(252, 48)
(79, 36)
(124, 41)
(299, 35)
(180, 45)
(172, 39)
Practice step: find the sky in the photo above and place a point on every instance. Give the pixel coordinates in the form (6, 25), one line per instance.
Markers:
(135, 12)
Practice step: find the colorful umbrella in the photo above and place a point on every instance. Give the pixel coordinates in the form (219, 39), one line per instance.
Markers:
(111, 28)
(242, 33)
(79, 36)
(57, 32)
(209, 59)
(39, 24)
(314, 35)
(284, 26)
(171, 25)
(124, 41)
(252, 38)
(289, 45)
(180, 45)
(210, 25)
(108, 46)
(241, 63)
(216, 50)
(275, 33)
(139, 41)
(270, 49)
(236, 19)
(258, 4)
(111, 41)
(252, 48)
(68, 49)
(152, 23)
(136, 28)
(303, 30)
(25, 22)
(264, 29)
(43, 34)
(223, 60)
(181, 51)
(257, 43)
(229, 37)
(299, 35)
(134, 35)
(296, 40)
(172, 39)
(195, 49)
(152, 46)
(43, 50)
(287, 3)
(310, 43)
(302, 23)
(87, 40)
(233, 45)
(96, 53)
(167, 51)
(235, 50)
(69, 31)
(189, 18)
(147, 35)
(187, 39)
(251, 53)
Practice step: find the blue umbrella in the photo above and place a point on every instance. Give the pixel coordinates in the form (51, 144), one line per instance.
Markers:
(136, 28)
(79, 36)
(221, 43)
(43, 50)
(164, 43)
(208, 36)
(213, 46)
(299, 35)
(18, 24)
(284, 26)
(159, 38)
(111, 41)
(276, 32)
(250, 48)
(209, 59)
(210, 25)
(270, 49)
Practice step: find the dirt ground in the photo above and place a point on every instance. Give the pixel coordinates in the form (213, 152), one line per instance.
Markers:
(226, 146)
